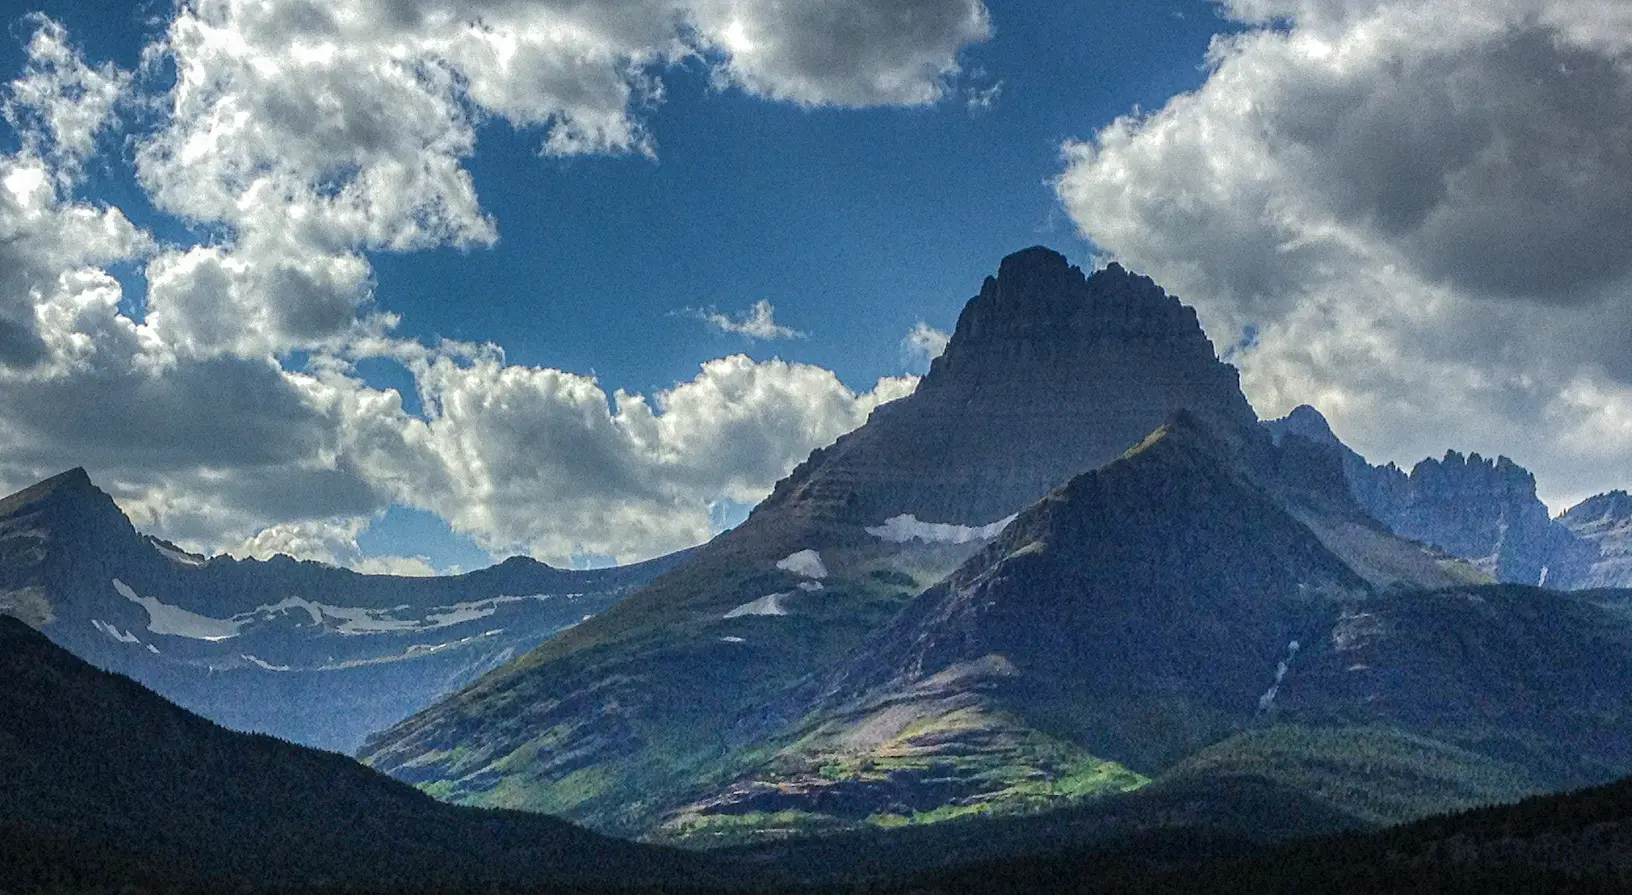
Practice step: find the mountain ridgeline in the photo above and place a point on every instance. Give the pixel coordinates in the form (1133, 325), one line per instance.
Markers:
(311, 653)
(1049, 373)
(1170, 620)
(1486, 511)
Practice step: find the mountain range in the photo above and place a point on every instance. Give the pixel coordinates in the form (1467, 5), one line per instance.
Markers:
(107, 787)
(1048, 373)
(1072, 563)
(1070, 590)
(311, 653)
(1486, 511)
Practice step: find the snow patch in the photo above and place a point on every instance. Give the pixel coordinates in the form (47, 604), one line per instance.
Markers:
(906, 527)
(805, 563)
(732, 639)
(459, 613)
(350, 619)
(810, 587)
(262, 663)
(115, 633)
(770, 604)
(162, 618)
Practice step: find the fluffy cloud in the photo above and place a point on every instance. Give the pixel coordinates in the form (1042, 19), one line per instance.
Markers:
(545, 462)
(56, 301)
(60, 103)
(923, 343)
(311, 133)
(301, 137)
(845, 53)
(1420, 207)
(333, 541)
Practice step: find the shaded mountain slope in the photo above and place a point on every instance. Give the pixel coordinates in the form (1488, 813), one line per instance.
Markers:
(1133, 580)
(309, 652)
(1049, 373)
(1131, 617)
(1535, 678)
(107, 784)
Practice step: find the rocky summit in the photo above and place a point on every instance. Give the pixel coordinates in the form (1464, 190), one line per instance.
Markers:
(1602, 554)
(1050, 372)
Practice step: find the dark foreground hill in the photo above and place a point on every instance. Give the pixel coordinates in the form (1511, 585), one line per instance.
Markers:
(105, 785)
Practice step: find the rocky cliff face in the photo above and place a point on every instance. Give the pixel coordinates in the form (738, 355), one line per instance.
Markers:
(1483, 510)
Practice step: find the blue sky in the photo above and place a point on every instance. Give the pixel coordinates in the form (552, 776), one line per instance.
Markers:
(408, 287)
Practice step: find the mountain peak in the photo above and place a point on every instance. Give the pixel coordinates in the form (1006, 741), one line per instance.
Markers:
(1049, 372)
(1305, 422)
(1611, 506)
(1040, 310)
(1182, 429)
(73, 509)
(1037, 257)
(1475, 473)
(74, 482)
